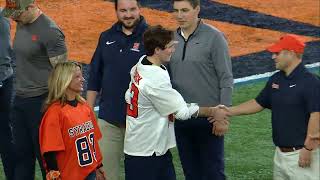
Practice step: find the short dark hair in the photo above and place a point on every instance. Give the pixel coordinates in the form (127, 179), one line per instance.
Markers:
(116, 4)
(156, 37)
(194, 3)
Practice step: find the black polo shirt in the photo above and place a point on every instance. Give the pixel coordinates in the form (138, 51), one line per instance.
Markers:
(291, 100)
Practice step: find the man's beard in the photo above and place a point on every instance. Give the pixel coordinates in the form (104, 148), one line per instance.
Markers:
(135, 23)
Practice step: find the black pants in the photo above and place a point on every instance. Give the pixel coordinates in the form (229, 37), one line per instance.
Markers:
(6, 145)
(150, 167)
(26, 121)
(201, 153)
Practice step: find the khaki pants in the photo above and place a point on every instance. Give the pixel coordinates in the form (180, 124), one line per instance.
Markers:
(111, 146)
(286, 166)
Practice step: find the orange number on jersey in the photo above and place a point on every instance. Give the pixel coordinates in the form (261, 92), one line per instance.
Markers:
(132, 108)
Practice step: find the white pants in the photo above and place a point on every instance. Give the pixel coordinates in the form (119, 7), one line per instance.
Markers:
(286, 166)
(111, 146)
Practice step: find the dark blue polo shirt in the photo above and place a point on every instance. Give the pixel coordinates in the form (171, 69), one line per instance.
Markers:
(110, 67)
(291, 100)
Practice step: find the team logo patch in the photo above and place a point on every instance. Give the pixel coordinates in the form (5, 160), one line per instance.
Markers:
(135, 47)
(34, 37)
(275, 86)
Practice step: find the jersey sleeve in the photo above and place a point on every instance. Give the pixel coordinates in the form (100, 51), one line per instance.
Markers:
(165, 99)
(263, 99)
(50, 137)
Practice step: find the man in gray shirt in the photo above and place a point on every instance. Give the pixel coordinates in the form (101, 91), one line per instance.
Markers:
(38, 46)
(6, 146)
(201, 72)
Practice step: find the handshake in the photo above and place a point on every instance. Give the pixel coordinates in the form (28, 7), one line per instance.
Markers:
(219, 117)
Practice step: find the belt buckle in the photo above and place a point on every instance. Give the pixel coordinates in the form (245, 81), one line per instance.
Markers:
(288, 149)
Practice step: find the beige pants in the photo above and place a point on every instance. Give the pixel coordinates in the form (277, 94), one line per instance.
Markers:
(111, 146)
(286, 166)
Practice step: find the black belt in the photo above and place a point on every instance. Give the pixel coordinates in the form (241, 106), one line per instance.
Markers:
(290, 149)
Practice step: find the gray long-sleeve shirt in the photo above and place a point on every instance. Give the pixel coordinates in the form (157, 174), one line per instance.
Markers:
(5, 49)
(201, 68)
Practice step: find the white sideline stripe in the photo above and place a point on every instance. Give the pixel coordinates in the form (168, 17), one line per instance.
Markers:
(267, 74)
(313, 65)
(253, 77)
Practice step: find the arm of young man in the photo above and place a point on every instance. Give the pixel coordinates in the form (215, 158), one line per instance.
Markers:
(168, 101)
(222, 62)
(193, 110)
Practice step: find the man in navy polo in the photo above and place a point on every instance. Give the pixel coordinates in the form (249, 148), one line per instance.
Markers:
(292, 95)
(119, 49)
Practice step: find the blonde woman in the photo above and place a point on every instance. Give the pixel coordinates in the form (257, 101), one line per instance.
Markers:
(69, 132)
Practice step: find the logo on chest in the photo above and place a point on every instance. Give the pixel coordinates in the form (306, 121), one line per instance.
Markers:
(275, 86)
(292, 85)
(135, 47)
(34, 38)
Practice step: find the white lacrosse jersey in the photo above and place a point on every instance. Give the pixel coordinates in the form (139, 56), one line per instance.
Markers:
(150, 100)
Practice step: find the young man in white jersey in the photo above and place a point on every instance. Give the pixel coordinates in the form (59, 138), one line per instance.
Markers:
(152, 106)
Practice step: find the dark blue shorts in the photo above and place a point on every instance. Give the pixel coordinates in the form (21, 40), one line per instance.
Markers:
(150, 167)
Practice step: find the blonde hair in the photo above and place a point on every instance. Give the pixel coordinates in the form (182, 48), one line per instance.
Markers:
(58, 82)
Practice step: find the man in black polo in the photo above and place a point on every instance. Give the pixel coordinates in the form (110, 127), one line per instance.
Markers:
(292, 95)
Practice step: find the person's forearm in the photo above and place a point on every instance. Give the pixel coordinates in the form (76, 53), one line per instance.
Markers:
(313, 129)
(91, 98)
(206, 111)
(60, 58)
(249, 107)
